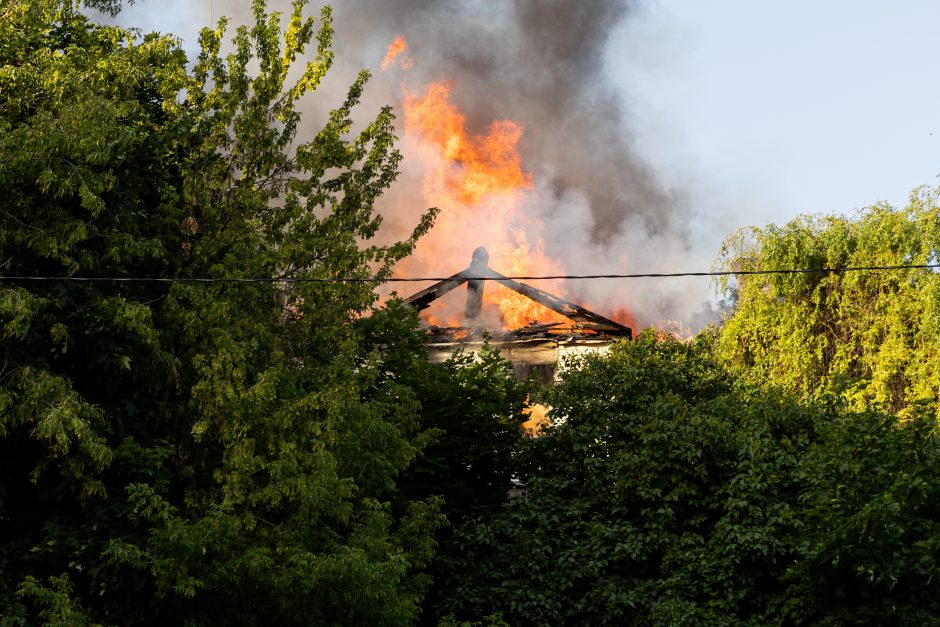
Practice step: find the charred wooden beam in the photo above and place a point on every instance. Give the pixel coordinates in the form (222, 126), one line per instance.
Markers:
(478, 273)
(478, 267)
(588, 319)
(424, 298)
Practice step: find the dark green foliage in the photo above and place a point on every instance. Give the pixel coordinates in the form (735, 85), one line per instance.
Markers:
(197, 453)
(872, 523)
(475, 410)
(111, 7)
(670, 495)
(273, 454)
(471, 414)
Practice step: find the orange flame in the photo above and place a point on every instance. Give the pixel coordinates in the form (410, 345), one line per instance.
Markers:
(479, 184)
(480, 165)
(536, 418)
(397, 48)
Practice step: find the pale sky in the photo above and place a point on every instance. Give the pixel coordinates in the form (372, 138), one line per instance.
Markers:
(771, 109)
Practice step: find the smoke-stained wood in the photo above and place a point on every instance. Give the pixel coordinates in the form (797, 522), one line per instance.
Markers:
(587, 319)
(478, 267)
(478, 273)
(423, 299)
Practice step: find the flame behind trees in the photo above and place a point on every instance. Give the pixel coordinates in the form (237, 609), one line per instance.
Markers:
(486, 197)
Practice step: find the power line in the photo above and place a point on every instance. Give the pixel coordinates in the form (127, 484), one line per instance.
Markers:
(550, 277)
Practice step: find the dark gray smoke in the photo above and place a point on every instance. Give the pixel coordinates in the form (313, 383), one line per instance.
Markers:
(540, 63)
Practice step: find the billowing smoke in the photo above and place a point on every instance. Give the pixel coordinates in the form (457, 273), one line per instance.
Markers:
(542, 63)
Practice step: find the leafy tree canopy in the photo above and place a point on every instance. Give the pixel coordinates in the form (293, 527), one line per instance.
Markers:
(200, 452)
(870, 337)
(669, 495)
(209, 453)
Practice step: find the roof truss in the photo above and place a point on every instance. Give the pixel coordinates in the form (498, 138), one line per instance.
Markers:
(479, 272)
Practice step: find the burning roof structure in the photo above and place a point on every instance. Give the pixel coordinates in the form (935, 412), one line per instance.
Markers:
(468, 164)
(535, 346)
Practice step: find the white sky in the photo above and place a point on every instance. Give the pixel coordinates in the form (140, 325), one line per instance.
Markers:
(770, 109)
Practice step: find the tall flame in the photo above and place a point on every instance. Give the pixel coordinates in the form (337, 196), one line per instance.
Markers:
(484, 195)
(479, 184)
(395, 51)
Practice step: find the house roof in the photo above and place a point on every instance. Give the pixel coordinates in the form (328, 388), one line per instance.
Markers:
(584, 322)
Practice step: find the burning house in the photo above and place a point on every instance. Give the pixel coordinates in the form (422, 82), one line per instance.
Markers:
(469, 166)
(536, 347)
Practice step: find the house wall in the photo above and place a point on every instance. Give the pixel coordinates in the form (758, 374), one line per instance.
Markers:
(546, 357)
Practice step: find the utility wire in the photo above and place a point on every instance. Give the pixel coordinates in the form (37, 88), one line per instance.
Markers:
(550, 277)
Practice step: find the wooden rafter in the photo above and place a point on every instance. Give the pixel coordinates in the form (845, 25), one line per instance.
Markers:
(478, 272)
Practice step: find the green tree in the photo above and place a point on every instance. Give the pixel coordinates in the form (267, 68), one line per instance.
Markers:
(870, 337)
(471, 414)
(472, 406)
(870, 524)
(669, 494)
(197, 452)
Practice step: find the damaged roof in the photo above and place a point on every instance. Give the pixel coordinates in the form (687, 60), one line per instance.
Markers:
(583, 322)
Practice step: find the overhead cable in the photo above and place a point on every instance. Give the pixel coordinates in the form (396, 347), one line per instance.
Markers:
(549, 277)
